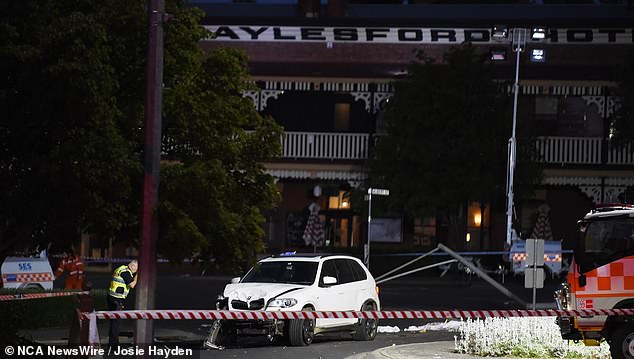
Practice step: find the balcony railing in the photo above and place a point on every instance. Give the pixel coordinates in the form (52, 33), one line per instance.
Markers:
(324, 145)
(354, 146)
(582, 151)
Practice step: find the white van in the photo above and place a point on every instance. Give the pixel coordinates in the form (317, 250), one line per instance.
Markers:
(27, 273)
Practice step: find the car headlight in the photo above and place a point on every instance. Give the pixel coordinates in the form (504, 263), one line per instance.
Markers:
(222, 302)
(282, 303)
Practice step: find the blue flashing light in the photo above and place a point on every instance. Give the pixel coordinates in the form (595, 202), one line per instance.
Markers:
(288, 254)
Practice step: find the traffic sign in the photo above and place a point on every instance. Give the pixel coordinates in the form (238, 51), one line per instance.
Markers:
(379, 191)
(534, 252)
(533, 277)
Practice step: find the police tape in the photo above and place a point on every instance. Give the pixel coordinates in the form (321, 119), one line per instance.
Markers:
(392, 314)
(22, 296)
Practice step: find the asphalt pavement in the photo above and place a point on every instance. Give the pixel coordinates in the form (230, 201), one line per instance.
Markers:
(187, 338)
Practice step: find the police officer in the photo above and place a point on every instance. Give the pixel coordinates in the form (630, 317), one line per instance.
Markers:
(123, 279)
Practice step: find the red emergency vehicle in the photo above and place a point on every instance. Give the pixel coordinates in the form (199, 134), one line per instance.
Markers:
(601, 276)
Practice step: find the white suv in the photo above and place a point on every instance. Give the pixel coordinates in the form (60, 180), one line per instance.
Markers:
(301, 282)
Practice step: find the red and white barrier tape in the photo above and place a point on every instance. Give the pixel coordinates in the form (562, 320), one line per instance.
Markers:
(401, 314)
(7, 297)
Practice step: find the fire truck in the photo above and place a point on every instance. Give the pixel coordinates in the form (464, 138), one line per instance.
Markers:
(601, 276)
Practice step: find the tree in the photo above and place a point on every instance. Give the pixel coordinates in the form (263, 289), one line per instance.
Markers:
(445, 141)
(218, 188)
(64, 165)
(71, 131)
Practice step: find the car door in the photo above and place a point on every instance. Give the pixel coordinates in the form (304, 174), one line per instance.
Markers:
(351, 287)
(329, 297)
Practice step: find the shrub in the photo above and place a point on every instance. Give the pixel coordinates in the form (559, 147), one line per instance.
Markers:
(39, 312)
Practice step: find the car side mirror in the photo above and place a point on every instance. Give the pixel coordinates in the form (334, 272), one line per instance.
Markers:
(582, 281)
(235, 280)
(328, 280)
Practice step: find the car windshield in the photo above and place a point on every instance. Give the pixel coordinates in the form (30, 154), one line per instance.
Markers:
(292, 272)
(604, 241)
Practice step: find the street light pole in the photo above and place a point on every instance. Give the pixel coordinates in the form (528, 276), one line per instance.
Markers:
(519, 43)
(152, 154)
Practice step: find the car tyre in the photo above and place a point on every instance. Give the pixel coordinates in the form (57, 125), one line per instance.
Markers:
(366, 328)
(622, 343)
(301, 332)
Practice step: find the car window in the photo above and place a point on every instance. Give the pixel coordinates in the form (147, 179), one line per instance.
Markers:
(359, 273)
(328, 269)
(292, 272)
(344, 270)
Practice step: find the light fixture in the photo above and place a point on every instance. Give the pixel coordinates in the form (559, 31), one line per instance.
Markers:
(477, 219)
(538, 33)
(497, 54)
(538, 55)
(344, 204)
(468, 239)
(499, 32)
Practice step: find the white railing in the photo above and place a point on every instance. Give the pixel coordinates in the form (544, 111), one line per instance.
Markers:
(354, 146)
(623, 155)
(325, 145)
(568, 150)
(581, 150)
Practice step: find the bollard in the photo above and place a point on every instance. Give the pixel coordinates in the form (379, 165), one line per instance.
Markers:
(80, 328)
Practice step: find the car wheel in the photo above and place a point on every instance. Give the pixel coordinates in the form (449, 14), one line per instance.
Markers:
(622, 343)
(366, 328)
(301, 331)
(35, 286)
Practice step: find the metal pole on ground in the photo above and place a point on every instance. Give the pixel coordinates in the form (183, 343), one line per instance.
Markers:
(483, 275)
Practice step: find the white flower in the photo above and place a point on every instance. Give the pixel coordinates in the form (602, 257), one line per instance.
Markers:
(521, 337)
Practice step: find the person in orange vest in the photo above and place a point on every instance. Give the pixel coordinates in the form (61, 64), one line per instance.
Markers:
(74, 268)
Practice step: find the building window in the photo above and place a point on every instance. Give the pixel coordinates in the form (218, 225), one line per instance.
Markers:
(339, 201)
(425, 231)
(546, 106)
(342, 116)
(546, 115)
(477, 222)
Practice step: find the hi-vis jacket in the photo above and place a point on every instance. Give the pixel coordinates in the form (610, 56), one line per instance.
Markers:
(118, 287)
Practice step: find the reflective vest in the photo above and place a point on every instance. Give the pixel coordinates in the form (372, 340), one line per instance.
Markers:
(118, 282)
(71, 264)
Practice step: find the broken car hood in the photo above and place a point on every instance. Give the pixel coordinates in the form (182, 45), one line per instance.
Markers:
(247, 292)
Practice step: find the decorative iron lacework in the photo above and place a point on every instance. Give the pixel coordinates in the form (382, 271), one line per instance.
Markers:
(592, 187)
(373, 94)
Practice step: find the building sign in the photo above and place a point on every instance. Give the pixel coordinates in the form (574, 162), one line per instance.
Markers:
(405, 35)
(387, 230)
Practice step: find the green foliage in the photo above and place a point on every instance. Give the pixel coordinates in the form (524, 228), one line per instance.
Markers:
(444, 137)
(446, 133)
(72, 106)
